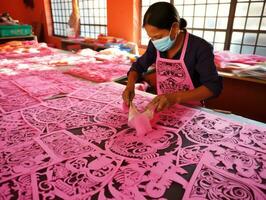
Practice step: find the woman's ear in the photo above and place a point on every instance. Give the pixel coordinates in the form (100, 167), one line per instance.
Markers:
(174, 30)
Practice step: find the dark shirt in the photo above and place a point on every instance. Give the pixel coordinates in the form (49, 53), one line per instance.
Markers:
(199, 59)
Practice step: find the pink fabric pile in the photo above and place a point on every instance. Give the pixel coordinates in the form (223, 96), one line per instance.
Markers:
(99, 72)
(227, 61)
(24, 49)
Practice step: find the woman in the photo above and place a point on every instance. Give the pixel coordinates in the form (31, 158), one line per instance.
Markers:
(185, 70)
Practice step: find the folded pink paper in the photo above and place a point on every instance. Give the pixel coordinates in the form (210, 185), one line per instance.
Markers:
(140, 121)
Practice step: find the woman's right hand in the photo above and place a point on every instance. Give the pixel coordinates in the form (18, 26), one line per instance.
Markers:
(128, 94)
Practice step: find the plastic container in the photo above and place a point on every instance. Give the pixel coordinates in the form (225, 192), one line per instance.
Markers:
(15, 30)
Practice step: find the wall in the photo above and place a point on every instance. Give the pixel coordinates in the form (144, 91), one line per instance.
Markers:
(123, 19)
(25, 15)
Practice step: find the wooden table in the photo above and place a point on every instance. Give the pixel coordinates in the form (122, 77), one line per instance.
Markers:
(242, 96)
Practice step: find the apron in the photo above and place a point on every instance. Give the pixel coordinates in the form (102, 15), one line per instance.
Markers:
(172, 75)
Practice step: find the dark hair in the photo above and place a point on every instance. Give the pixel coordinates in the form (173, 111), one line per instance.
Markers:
(162, 15)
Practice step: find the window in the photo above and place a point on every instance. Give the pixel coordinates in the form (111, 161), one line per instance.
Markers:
(208, 20)
(93, 17)
(61, 10)
(249, 28)
(235, 25)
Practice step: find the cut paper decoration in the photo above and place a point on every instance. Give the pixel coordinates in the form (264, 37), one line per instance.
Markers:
(88, 107)
(112, 116)
(77, 178)
(48, 119)
(17, 188)
(253, 137)
(190, 154)
(149, 179)
(141, 100)
(17, 102)
(175, 117)
(97, 134)
(208, 129)
(63, 145)
(14, 130)
(139, 121)
(14, 98)
(152, 145)
(245, 164)
(99, 72)
(207, 183)
(22, 159)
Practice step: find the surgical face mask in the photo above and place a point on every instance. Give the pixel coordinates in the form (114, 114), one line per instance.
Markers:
(164, 43)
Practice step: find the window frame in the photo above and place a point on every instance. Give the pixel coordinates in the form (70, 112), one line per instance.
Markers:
(81, 24)
(229, 29)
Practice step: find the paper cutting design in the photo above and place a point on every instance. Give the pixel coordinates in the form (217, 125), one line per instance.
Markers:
(208, 129)
(16, 188)
(14, 98)
(59, 102)
(252, 137)
(112, 116)
(175, 117)
(149, 179)
(16, 102)
(85, 92)
(154, 144)
(88, 107)
(49, 119)
(141, 101)
(245, 164)
(14, 130)
(190, 154)
(7, 88)
(63, 145)
(207, 183)
(76, 178)
(22, 159)
(95, 133)
(105, 96)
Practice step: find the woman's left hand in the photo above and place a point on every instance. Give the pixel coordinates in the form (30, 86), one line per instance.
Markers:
(163, 101)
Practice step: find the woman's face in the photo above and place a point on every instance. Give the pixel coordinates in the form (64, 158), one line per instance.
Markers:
(155, 33)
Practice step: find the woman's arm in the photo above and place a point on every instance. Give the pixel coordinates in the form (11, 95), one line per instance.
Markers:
(140, 66)
(164, 101)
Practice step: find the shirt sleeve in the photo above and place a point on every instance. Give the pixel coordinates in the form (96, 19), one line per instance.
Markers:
(145, 61)
(206, 68)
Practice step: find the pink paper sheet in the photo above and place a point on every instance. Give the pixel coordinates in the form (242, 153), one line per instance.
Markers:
(48, 119)
(13, 98)
(191, 154)
(72, 147)
(76, 178)
(154, 144)
(207, 183)
(149, 179)
(141, 122)
(100, 72)
(63, 145)
(244, 164)
(22, 159)
(14, 130)
(17, 188)
(253, 137)
(207, 128)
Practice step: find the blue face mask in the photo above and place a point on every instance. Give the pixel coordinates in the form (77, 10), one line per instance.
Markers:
(164, 43)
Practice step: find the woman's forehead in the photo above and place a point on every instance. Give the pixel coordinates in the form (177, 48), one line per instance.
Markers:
(153, 31)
